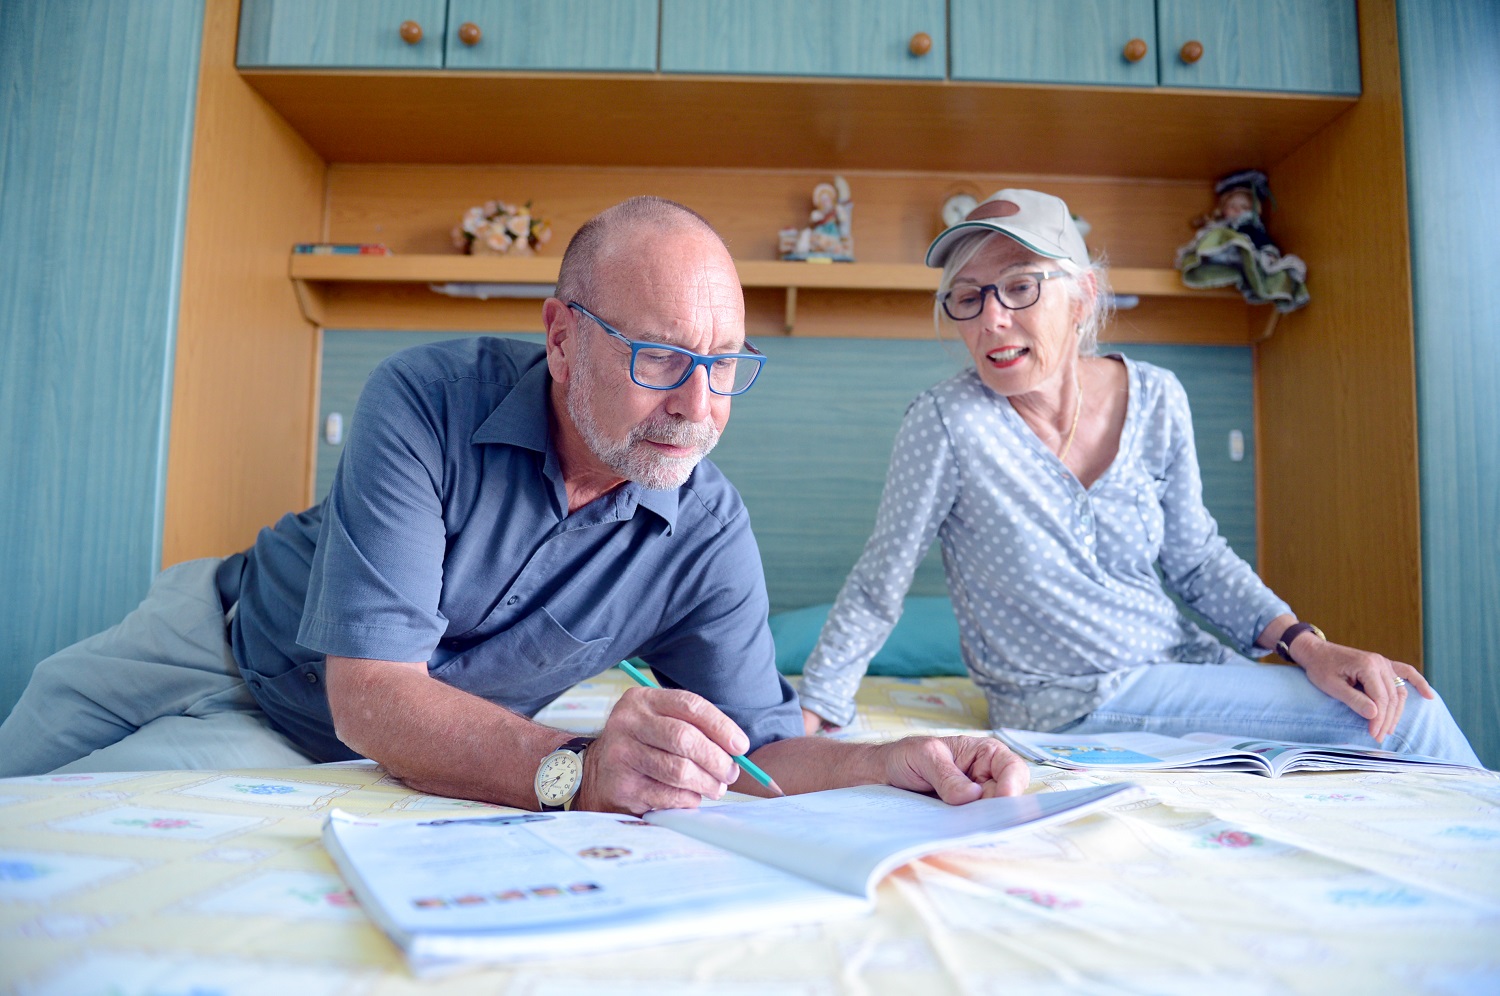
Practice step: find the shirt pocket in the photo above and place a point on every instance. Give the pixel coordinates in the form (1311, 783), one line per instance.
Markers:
(531, 662)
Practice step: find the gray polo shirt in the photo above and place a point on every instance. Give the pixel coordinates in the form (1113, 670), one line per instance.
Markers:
(446, 538)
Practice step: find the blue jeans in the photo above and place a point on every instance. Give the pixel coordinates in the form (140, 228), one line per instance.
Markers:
(1266, 701)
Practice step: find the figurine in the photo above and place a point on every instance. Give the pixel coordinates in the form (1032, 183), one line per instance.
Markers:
(829, 235)
(1232, 248)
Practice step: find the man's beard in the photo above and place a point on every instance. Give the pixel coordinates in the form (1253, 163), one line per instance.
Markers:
(632, 458)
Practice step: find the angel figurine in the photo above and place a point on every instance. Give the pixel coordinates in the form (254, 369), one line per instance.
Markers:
(1232, 248)
(829, 234)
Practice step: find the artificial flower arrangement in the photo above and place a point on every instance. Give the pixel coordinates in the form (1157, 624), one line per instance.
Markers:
(496, 227)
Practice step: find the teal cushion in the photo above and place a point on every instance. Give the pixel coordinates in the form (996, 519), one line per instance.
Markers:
(924, 642)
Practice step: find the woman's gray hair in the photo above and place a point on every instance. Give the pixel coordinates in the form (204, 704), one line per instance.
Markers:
(966, 248)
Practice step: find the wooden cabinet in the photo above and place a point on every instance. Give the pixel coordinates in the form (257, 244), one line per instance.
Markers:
(594, 35)
(1309, 46)
(343, 34)
(891, 38)
(99, 116)
(1304, 45)
(1047, 41)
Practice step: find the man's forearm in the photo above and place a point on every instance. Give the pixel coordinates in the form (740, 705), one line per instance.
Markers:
(811, 764)
(434, 737)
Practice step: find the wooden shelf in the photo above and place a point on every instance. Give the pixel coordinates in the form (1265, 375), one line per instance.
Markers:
(393, 292)
(729, 122)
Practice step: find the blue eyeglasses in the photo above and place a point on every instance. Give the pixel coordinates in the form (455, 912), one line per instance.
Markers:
(662, 368)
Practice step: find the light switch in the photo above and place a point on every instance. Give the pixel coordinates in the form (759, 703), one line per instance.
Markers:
(1236, 445)
(333, 429)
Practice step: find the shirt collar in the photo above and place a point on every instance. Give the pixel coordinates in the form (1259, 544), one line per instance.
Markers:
(521, 420)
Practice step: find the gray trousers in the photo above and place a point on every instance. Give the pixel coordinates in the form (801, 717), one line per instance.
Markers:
(159, 691)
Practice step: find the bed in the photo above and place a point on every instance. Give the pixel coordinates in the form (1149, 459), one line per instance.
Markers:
(216, 882)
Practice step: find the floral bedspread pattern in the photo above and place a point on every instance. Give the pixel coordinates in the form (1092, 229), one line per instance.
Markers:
(215, 882)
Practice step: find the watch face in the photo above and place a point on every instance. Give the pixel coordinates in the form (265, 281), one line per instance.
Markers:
(957, 208)
(558, 777)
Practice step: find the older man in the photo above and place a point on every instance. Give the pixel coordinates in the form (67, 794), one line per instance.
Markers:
(505, 522)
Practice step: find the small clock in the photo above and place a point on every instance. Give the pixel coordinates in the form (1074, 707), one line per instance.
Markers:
(957, 208)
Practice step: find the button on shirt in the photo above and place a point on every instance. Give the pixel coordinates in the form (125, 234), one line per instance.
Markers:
(446, 539)
(1054, 585)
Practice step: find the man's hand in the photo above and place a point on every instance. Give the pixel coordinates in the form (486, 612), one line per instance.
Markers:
(661, 748)
(958, 769)
(1364, 681)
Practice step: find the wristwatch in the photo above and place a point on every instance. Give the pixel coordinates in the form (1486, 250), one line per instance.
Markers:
(1284, 645)
(560, 775)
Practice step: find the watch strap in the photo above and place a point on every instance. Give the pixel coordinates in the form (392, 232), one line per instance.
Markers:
(1284, 645)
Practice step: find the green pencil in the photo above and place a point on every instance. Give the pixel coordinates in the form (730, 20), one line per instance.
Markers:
(744, 762)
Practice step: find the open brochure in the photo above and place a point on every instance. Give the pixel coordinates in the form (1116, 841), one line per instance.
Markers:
(539, 885)
(1208, 752)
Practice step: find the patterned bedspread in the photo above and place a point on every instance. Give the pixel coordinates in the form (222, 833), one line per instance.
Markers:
(209, 882)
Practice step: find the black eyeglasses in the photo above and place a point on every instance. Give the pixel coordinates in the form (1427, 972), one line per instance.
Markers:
(1016, 292)
(661, 367)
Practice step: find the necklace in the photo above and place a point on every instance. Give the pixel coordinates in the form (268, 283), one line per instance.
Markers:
(1073, 429)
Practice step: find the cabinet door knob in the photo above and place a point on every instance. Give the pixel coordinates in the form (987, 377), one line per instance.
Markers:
(1191, 52)
(921, 44)
(469, 33)
(411, 32)
(1135, 50)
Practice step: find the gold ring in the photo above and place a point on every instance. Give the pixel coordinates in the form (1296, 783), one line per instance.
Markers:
(1400, 682)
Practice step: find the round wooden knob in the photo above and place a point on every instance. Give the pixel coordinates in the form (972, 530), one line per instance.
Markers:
(921, 44)
(1135, 50)
(1191, 52)
(469, 33)
(411, 32)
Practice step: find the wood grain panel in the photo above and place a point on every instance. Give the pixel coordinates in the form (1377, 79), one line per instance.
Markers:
(595, 35)
(412, 209)
(341, 33)
(808, 447)
(1260, 44)
(804, 37)
(96, 119)
(734, 122)
(240, 435)
(1342, 540)
(1450, 62)
(1080, 41)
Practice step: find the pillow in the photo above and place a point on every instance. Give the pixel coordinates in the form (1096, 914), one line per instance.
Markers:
(924, 642)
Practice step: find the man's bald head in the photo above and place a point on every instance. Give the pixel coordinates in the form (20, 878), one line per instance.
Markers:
(627, 223)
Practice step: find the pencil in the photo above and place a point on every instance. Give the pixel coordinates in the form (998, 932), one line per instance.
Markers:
(749, 766)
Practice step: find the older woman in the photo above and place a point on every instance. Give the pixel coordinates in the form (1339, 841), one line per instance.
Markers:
(1058, 481)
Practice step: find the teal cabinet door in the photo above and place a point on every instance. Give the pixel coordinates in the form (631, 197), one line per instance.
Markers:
(96, 124)
(341, 34)
(605, 35)
(1055, 41)
(1304, 45)
(805, 37)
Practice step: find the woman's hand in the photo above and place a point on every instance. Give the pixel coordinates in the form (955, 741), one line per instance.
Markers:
(1366, 682)
(813, 723)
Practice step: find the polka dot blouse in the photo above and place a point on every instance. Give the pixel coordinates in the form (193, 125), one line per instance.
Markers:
(1055, 586)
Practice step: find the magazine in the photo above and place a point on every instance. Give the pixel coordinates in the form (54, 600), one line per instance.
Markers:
(513, 886)
(1208, 752)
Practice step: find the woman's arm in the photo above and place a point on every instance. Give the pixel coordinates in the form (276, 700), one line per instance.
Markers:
(920, 488)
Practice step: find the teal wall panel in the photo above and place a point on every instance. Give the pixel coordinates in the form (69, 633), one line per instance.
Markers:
(803, 37)
(808, 447)
(1052, 41)
(340, 34)
(595, 35)
(1450, 72)
(96, 115)
(1301, 45)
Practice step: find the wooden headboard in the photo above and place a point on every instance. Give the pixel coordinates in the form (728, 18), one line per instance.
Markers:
(808, 447)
